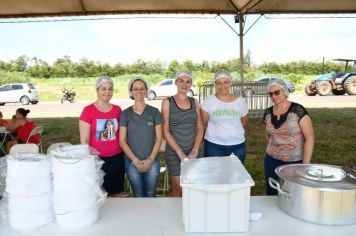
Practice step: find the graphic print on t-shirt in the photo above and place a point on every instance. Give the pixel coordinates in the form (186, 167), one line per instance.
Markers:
(106, 129)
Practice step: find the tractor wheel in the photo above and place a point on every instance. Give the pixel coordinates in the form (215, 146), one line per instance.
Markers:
(350, 85)
(310, 89)
(323, 88)
(338, 92)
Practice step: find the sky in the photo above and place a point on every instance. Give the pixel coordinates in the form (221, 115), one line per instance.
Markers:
(208, 38)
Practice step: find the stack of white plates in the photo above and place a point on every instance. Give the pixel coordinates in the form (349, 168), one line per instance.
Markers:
(29, 189)
(76, 186)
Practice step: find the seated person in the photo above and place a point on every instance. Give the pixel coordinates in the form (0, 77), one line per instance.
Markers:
(3, 122)
(23, 127)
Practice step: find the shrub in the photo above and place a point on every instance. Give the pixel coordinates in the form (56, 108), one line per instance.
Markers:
(295, 78)
(7, 77)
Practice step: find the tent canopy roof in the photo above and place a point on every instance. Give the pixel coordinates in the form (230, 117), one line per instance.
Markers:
(38, 8)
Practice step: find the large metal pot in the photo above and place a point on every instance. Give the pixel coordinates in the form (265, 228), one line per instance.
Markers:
(320, 194)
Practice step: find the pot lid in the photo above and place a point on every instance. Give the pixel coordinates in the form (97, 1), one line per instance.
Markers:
(317, 175)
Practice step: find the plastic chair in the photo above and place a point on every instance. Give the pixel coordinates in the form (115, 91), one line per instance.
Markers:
(54, 146)
(36, 131)
(24, 147)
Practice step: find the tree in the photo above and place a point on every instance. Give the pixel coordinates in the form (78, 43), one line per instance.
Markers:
(19, 64)
(188, 65)
(38, 68)
(63, 67)
(172, 69)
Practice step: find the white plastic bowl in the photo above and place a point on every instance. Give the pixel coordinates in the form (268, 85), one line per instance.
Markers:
(33, 204)
(63, 202)
(29, 220)
(73, 167)
(77, 219)
(27, 165)
(28, 186)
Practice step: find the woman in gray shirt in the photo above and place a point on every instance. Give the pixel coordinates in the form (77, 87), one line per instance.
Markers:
(141, 138)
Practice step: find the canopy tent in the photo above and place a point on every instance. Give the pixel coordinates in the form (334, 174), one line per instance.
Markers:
(43, 8)
(31, 8)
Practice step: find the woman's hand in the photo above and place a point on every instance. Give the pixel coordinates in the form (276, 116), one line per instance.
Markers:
(138, 164)
(193, 154)
(146, 165)
(143, 166)
(181, 155)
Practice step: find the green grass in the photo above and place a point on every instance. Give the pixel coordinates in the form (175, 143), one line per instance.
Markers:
(335, 135)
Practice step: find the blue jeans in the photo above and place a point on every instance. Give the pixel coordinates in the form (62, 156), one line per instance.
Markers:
(270, 164)
(143, 184)
(216, 150)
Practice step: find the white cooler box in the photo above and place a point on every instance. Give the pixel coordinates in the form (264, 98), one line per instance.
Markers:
(216, 195)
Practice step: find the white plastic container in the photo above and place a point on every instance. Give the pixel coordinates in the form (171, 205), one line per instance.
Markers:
(28, 186)
(28, 165)
(77, 219)
(78, 201)
(68, 166)
(30, 204)
(216, 195)
(20, 219)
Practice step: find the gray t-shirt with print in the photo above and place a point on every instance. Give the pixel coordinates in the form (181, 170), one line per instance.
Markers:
(141, 134)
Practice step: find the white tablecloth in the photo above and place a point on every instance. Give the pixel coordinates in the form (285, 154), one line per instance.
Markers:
(163, 216)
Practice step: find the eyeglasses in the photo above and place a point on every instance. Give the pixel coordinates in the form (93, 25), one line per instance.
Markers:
(275, 93)
(138, 89)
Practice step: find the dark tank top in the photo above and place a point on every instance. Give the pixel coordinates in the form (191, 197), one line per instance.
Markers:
(182, 124)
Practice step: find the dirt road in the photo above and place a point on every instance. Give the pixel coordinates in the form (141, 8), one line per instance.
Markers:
(56, 109)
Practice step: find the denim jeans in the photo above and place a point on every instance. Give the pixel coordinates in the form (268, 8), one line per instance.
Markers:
(217, 150)
(270, 164)
(143, 184)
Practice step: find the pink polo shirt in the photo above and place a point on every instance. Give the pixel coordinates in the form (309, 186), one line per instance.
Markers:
(104, 129)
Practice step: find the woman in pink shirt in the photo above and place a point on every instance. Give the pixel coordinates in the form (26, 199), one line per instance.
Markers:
(99, 127)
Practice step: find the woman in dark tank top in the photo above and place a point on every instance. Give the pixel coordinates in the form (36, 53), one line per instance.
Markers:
(182, 128)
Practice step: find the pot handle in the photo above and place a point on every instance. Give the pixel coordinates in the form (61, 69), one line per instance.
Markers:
(275, 184)
(350, 171)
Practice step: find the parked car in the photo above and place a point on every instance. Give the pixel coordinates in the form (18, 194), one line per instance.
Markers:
(18, 92)
(248, 91)
(167, 88)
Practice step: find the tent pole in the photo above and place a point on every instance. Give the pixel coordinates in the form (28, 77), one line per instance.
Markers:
(241, 38)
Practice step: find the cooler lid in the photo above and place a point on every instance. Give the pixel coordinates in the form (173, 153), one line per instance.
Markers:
(215, 171)
(317, 175)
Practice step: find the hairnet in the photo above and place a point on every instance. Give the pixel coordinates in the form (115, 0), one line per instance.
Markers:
(182, 73)
(279, 83)
(222, 74)
(103, 79)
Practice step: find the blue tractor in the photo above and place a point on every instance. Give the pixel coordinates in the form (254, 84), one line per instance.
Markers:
(337, 83)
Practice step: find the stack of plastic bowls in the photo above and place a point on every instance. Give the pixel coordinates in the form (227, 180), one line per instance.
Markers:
(76, 186)
(2, 176)
(28, 190)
